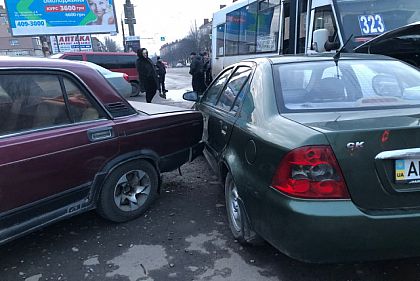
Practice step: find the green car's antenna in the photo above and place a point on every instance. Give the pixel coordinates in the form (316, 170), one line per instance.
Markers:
(338, 53)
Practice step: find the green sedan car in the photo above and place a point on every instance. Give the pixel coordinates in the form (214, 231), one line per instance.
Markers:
(319, 156)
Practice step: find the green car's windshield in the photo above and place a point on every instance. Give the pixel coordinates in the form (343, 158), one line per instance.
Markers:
(353, 85)
(365, 19)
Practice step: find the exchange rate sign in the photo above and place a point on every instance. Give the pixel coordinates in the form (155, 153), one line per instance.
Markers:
(34, 17)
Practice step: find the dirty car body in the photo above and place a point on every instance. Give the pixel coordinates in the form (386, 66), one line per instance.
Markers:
(70, 143)
(318, 159)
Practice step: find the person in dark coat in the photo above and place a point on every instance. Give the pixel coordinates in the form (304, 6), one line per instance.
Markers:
(197, 72)
(207, 69)
(161, 71)
(147, 74)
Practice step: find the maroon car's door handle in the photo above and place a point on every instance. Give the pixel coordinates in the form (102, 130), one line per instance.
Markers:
(99, 134)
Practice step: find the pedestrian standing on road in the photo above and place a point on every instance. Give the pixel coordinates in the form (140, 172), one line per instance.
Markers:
(147, 73)
(207, 69)
(197, 72)
(161, 70)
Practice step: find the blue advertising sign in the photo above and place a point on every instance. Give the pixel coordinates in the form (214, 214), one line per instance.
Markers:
(49, 17)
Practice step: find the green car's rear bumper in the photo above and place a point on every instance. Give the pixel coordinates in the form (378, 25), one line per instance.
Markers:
(336, 230)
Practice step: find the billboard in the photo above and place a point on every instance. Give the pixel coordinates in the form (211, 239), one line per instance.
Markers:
(51, 17)
(71, 43)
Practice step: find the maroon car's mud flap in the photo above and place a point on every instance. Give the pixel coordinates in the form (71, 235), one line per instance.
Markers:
(175, 160)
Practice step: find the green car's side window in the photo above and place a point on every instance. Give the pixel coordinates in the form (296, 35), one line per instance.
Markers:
(248, 105)
(233, 89)
(212, 93)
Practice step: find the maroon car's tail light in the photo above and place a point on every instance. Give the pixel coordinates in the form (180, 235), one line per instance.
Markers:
(125, 77)
(311, 172)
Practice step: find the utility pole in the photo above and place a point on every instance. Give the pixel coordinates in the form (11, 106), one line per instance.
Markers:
(123, 33)
(129, 17)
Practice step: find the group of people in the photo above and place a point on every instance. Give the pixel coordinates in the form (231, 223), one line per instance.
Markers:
(152, 76)
(200, 70)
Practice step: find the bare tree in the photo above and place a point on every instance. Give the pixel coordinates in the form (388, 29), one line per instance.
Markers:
(197, 40)
(194, 35)
(111, 45)
(201, 37)
(205, 41)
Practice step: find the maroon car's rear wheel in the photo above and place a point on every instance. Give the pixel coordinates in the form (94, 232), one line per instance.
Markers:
(129, 191)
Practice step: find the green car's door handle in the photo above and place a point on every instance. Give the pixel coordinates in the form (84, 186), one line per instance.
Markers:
(224, 130)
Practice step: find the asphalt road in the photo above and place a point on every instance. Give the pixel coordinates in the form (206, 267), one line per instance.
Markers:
(184, 236)
(177, 82)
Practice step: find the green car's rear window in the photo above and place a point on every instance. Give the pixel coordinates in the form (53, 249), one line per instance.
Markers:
(352, 85)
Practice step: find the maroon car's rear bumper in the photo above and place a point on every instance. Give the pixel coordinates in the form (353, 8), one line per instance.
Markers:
(172, 161)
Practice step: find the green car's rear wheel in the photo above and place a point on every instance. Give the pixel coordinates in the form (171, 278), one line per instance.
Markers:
(237, 218)
(234, 212)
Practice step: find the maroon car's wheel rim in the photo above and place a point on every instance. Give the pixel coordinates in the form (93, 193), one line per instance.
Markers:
(233, 205)
(132, 190)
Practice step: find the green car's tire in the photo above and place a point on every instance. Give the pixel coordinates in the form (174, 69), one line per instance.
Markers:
(129, 191)
(235, 214)
(237, 218)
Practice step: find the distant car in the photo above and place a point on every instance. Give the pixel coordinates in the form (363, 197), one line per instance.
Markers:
(118, 80)
(179, 65)
(70, 143)
(113, 61)
(319, 156)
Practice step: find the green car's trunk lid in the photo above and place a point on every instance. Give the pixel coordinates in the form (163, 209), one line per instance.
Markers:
(369, 146)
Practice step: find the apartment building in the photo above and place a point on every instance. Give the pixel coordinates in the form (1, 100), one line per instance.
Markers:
(16, 46)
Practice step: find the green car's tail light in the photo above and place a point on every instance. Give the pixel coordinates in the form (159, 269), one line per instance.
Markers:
(311, 172)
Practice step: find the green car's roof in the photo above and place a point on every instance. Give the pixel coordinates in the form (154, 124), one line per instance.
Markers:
(319, 57)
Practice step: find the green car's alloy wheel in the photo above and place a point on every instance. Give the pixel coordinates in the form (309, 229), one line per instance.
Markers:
(234, 212)
(129, 191)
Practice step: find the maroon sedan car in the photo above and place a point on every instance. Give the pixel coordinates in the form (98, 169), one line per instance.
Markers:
(70, 143)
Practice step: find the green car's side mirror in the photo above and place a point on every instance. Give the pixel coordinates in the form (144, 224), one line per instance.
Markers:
(191, 96)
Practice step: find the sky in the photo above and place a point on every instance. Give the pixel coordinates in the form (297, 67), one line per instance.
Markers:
(171, 19)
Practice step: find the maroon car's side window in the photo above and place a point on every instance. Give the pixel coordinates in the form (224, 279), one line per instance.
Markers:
(81, 109)
(32, 102)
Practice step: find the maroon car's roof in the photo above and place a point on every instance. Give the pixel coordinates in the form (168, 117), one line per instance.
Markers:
(95, 81)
